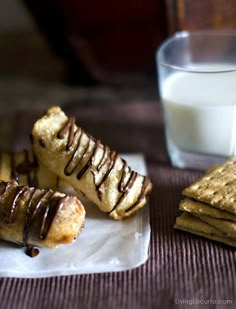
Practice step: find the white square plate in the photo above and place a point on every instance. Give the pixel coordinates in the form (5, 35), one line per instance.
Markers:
(104, 245)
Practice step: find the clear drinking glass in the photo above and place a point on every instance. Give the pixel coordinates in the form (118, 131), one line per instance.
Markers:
(197, 85)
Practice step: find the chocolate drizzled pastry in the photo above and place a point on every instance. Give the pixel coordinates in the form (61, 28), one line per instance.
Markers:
(89, 166)
(23, 168)
(31, 216)
(14, 166)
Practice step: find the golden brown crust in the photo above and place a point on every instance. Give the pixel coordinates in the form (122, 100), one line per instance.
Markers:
(24, 169)
(89, 166)
(216, 188)
(209, 206)
(202, 209)
(31, 216)
(189, 223)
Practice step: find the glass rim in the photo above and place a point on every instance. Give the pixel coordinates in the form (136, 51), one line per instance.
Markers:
(187, 33)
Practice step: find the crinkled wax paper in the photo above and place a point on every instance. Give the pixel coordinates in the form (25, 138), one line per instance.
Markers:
(104, 245)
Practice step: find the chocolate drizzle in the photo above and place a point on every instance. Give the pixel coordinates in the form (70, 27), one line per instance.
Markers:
(18, 192)
(41, 208)
(32, 251)
(112, 158)
(74, 161)
(26, 167)
(69, 127)
(90, 161)
(145, 185)
(84, 161)
(14, 175)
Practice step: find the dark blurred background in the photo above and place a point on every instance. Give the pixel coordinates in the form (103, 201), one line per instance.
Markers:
(97, 42)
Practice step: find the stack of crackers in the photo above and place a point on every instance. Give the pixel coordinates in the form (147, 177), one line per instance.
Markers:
(209, 205)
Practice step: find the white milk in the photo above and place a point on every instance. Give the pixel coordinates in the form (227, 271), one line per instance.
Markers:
(200, 110)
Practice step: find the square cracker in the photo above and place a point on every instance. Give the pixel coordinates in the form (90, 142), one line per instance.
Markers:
(202, 209)
(225, 226)
(189, 223)
(216, 188)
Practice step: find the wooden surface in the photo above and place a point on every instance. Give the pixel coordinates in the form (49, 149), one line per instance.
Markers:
(102, 39)
(111, 43)
(202, 14)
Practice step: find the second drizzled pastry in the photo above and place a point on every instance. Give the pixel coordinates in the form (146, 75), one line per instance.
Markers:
(44, 218)
(89, 166)
(23, 168)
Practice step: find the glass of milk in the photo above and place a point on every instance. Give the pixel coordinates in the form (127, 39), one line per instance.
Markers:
(197, 85)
